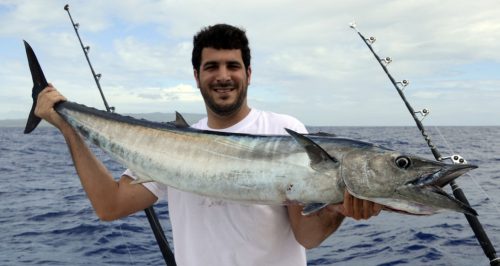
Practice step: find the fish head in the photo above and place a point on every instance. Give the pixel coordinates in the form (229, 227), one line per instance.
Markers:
(403, 183)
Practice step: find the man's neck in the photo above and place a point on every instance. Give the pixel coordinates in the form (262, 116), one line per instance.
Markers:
(216, 121)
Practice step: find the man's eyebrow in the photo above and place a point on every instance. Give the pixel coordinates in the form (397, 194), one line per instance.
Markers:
(233, 62)
(215, 63)
(210, 63)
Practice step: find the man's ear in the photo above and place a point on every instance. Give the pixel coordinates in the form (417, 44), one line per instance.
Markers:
(249, 74)
(195, 73)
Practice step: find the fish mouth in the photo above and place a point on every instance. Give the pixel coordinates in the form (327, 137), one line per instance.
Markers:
(443, 176)
(429, 188)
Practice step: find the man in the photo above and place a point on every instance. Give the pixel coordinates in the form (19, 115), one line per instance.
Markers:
(208, 231)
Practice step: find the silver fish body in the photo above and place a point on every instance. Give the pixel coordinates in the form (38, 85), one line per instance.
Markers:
(313, 170)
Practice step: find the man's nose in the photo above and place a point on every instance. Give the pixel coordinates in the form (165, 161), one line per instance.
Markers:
(223, 74)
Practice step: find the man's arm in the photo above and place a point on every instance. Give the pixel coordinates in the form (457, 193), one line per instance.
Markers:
(310, 231)
(110, 199)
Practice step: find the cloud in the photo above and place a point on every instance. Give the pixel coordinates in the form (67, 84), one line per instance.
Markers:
(156, 99)
(181, 92)
(306, 60)
(149, 59)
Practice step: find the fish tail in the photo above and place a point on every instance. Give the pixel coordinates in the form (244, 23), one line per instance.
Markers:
(39, 83)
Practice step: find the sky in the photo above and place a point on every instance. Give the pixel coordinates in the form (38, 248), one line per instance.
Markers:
(306, 60)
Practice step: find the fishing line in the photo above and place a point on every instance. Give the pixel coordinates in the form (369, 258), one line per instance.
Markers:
(473, 179)
(126, 245)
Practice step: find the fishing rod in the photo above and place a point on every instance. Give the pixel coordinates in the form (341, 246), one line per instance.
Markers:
(474, 223)
(158, 232)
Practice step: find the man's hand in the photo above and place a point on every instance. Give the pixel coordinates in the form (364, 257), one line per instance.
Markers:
(313, 229)
(45, 106)
(355, 208)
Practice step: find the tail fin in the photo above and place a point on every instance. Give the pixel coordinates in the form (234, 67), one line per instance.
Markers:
(39, 83)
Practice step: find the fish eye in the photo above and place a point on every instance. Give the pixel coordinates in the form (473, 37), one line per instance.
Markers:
(403, 162)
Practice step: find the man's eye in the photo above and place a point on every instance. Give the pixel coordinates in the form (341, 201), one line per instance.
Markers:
(209, 65)
(234, 66)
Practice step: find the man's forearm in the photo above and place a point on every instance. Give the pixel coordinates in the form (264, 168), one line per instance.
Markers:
(310, 231)
(97, 182)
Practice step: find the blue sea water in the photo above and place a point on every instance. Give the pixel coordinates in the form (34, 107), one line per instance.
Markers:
(46, 219)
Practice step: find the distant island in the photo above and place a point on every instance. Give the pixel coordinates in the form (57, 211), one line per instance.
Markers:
(157, 117)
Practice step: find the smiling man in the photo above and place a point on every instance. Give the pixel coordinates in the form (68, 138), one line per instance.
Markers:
(208, 231)
(223, 79)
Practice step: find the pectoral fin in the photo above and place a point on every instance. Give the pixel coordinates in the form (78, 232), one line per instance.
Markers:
(320, 159)
(313, 207)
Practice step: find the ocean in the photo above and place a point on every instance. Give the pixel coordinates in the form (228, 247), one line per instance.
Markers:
(46, 219)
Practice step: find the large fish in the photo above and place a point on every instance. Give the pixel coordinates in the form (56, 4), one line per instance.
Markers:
(309, 169)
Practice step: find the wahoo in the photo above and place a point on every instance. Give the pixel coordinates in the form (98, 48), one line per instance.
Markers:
(309, 169)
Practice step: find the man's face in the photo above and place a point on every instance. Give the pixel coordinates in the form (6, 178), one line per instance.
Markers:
(223, 80)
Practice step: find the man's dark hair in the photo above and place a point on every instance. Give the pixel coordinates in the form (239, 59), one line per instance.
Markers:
(220, 36)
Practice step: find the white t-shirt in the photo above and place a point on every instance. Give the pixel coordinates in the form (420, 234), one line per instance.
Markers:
(209, 231)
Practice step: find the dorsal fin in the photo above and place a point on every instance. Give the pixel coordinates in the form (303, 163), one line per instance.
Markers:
(323, 134)
(180, 122)
(316, 154)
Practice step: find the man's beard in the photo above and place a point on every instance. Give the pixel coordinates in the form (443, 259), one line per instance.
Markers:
(225, 110)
